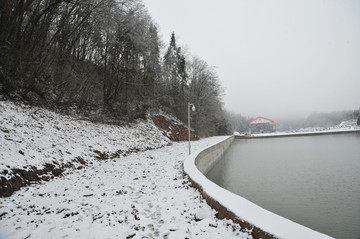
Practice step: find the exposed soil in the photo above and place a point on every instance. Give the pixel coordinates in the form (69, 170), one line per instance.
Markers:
(173, 130)
(24, 177)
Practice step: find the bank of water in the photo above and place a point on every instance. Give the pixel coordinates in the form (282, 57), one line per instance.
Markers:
(312, 180)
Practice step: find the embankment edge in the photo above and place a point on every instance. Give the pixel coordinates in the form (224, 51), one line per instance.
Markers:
(261, 223)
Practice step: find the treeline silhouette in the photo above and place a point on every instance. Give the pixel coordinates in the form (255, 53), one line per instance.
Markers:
(102, 58)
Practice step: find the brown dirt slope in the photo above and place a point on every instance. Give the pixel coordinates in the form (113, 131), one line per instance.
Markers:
(173, 130)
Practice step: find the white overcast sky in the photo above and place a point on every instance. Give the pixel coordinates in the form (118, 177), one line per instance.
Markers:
(274, 58)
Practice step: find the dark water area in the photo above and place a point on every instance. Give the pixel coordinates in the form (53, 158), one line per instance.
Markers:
(312, 180)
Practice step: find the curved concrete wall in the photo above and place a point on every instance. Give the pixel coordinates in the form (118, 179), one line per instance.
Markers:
(208, 157)
(263, 223)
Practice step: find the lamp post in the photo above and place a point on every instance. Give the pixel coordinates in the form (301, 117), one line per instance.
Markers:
(193, 109)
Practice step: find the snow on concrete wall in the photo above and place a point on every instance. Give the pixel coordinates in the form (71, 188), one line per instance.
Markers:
(239, 208)
(207, 158)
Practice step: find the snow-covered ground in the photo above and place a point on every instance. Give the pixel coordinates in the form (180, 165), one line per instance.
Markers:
(31, 136)
(142, 194)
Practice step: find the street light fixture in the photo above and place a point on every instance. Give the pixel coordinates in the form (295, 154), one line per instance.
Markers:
(193, 109)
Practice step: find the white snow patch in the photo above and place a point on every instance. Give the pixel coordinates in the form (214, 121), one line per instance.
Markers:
(143, 195)
(32, 136)
(202, 213)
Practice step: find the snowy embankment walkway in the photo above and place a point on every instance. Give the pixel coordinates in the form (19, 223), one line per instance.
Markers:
(142, 194)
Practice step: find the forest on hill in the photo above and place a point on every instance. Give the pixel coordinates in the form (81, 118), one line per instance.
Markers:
(103, 59)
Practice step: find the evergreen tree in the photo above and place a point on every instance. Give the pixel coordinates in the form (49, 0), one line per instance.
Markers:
(171, 68)
(176, 78)
(182, 73)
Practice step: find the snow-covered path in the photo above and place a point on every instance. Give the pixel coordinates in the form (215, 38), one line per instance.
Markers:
(142, 195)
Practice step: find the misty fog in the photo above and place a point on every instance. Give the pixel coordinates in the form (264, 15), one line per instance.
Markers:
(278, 59)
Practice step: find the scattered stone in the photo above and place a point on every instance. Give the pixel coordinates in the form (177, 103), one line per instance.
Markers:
(121, 191)
(213, 225)
(130, 236)
(201, 214)
(80, 160)
(101, 155)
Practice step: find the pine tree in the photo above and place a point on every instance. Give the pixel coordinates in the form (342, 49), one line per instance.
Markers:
(171, 67)
(176, 77)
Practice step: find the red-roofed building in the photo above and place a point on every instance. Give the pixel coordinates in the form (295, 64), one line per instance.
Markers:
(262, 125)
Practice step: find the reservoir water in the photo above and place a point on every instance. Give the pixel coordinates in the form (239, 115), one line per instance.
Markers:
(312, 180)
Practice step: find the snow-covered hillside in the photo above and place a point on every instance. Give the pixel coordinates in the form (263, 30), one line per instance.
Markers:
(39, 143)
(115, 188)
(39, 136)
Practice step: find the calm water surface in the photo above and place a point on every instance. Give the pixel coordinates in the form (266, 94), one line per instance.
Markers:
(312, 180)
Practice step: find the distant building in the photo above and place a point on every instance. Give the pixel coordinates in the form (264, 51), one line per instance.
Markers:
(262, 125)
(348, 123)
